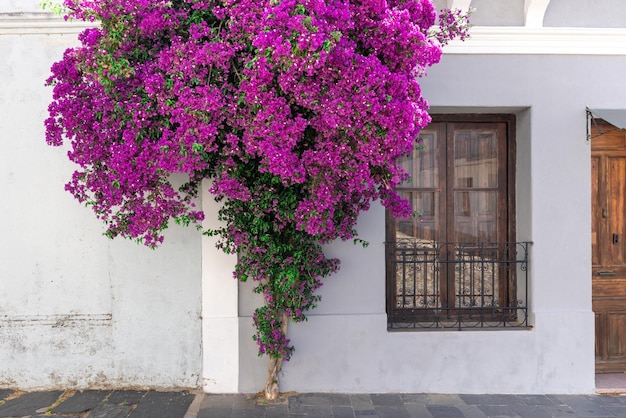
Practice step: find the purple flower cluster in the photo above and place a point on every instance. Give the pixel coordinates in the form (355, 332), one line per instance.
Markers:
(297, 109)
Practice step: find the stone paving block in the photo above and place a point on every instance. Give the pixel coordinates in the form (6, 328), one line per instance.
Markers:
(473, 399)
(492, 399)
(536, 399)
(126, 397)
(361, 402)
(559, 411)
(415, 398)
(416, 410)
(81, 401)
(555, 399)
(618, 398)
(277, 411)
(583, 406)
(331, 399)
(5, 392)
(444, 400)
(109, 410)
(310, 410)
(257, 412)
(365, 412)
(312, 415)
(245, 401)
(386, 399)
(608, 400)
(392, 412)
(531, 411)
(471, 411)
(28, 403)
(445, 411)
(215, 412)
(217, 401)
(616, 411)
(498, 410)
(163, 404)
(342, 411)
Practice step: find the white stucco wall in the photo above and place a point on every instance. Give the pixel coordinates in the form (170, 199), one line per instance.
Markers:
(79, 310)
(345, 346)
(586, 13)
(76, 309)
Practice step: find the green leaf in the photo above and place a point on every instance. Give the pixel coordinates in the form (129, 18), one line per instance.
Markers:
(300, 9)
(241, 99)
(307, 22)
(251, 63)
(55, 7)
(359, 241)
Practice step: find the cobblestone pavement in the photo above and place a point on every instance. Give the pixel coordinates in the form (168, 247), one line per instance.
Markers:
(95, 404)
(184, 404)
(416, 406)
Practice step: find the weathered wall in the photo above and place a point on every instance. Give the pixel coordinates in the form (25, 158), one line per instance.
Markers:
(77, 309)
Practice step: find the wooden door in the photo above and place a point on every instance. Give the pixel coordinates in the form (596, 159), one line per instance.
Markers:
(608, 168)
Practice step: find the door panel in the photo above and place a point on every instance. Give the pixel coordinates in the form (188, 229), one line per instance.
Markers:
(617, 340)
(608, 233)
(599, 342)
(596, 210)
(616, 181)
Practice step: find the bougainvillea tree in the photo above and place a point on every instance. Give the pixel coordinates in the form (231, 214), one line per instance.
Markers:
(295, 109)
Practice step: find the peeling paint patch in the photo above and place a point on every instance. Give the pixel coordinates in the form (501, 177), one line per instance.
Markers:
(69, 343)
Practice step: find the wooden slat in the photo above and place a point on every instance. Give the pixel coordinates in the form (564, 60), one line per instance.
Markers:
(611, 288)
(617, 336)
(607, 305)
(605, 136)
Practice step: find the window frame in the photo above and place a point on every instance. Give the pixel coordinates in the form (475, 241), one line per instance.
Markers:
(516, 253)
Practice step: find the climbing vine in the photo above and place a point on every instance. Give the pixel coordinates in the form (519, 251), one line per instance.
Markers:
(295, 109)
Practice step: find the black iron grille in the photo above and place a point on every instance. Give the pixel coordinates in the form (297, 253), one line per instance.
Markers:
(457, 285)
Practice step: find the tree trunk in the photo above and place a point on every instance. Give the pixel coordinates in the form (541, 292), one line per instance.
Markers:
(272, 384)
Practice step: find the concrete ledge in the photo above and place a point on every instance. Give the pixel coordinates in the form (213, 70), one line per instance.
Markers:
(39, 24)
(541, 41)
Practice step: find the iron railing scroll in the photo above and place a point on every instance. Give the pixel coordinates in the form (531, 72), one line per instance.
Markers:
(457, 285)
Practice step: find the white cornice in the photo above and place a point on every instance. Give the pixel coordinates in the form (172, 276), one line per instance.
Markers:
(38, 24)
(483, 40)
(549, 41)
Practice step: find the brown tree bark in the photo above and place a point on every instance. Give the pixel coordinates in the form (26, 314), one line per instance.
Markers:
(272, 384)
